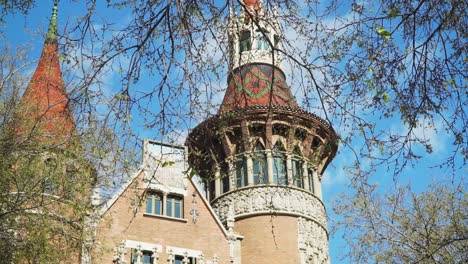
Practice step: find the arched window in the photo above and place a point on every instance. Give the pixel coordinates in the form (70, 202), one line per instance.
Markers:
(225, 183)
(259, 165)
(212, 189)
(296, 163)
(240, 166)
(241, 171)
(310, 178)
(244, 41)
(279, 165)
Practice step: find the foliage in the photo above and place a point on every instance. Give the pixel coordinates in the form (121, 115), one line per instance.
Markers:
(359, 64)
(45, 198)
(404, 226)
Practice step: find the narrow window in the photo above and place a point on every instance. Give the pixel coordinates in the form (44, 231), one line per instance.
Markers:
(241, 172)
(212, 188)
(279, 165)
(259, 165)
(310, 177)
(225, 182)
(154, 204)
(297, 172)
(276, 40)
(245, 42)
(296, 163)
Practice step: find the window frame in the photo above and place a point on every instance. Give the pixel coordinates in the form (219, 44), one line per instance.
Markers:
(153, 196)
(173, 200)
(245, 41)
(241, 171)
(262, 39)
(297, 172)
(260, 168)
(279, 162)
(147, 253)
(225, 183)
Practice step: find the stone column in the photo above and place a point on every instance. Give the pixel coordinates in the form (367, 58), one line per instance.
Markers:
(232, 175)
(139, 256)
(164, 202)
(155, 256)
(217, 183)
(200, 259)
(305, 176)
(250, 179)
(269, 158)
(186, 259)
(289, 169)
(208, 193)
(170, 257)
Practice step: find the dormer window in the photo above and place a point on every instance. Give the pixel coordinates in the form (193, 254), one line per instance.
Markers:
(245, 43)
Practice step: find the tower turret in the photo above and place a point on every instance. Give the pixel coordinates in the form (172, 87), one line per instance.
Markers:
(262, 155)
(256, 73)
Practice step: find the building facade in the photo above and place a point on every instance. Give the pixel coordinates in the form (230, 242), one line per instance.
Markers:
(260, 160)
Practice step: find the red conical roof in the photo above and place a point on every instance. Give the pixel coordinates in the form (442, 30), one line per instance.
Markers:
(44, 111)
(257, 85)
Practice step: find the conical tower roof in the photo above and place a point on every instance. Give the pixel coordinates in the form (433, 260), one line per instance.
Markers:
(257, 85)
(44, 111)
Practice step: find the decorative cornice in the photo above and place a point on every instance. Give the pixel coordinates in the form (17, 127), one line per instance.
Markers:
(254, 110)
(270, 200)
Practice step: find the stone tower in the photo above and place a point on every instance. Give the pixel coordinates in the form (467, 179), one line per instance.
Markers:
(262, 156)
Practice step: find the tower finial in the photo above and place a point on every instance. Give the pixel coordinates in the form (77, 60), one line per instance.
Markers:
(51, 36)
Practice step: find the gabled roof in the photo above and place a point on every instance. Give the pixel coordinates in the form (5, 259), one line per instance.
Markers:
(146, 166)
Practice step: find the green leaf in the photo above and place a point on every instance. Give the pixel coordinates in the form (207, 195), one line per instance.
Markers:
(394, 12)
(386, 98)
(167, 164)
(383, 32)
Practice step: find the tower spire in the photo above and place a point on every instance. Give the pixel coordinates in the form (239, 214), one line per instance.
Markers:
(44, 112)
(51, 36)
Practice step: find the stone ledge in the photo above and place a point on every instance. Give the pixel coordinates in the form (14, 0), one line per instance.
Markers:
(255, 200)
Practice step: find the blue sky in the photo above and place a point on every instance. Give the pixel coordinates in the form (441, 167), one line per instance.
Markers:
(21, 30)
